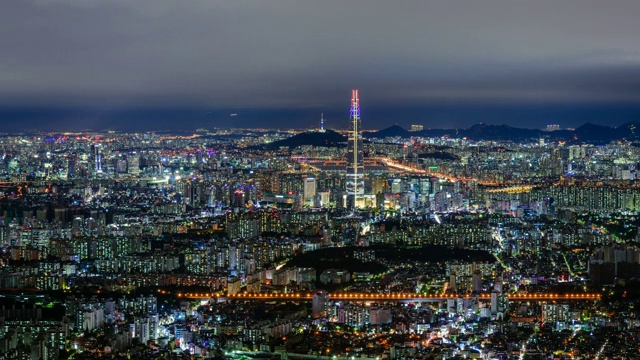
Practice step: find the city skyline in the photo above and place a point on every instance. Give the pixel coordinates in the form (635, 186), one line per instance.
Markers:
(230, 242)
(193, 180)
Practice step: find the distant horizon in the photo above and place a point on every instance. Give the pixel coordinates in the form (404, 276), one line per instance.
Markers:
(431, 116)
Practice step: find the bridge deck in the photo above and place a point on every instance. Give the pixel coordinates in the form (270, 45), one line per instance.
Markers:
(386, 297)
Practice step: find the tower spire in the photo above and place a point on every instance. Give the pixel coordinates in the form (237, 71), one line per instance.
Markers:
(355, 157)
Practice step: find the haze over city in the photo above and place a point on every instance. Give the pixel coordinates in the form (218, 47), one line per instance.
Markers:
(143, 64)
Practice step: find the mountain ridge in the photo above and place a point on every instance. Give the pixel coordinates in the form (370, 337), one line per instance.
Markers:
(586, 133)
(327, 138)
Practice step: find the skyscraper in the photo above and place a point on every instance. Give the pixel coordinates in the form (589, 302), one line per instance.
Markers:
(133, 164)
(98, 158)
(355, 157)
(309, 189)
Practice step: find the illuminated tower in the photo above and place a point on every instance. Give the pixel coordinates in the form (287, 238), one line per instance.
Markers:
(355, 158)
(322, 122)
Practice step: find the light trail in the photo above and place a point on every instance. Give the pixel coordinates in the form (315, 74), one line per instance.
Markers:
(568, 266)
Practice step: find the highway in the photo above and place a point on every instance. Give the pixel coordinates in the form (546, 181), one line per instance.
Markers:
(514, 189)
(408, 168)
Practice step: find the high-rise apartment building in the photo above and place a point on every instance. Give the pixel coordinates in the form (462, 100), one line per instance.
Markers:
(133, 164)
(309, 188)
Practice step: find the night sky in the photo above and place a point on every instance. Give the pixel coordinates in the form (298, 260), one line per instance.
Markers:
(160, 64)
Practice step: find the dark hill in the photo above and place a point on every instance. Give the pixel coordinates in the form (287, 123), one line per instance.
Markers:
(629, 131)
(588, 133)
(595, 133)
(452, 133)
(393, 131)
(500, 132)
(329, 138)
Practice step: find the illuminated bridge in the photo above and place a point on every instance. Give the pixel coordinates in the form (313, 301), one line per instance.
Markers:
(512, 189)
(397, 297)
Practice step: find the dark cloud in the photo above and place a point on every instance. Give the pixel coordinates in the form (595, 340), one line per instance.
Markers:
(109, 56)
